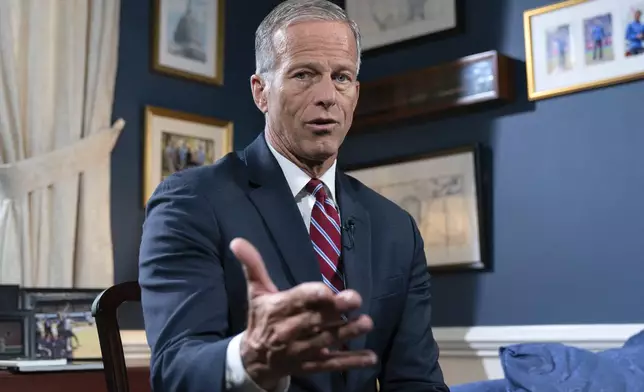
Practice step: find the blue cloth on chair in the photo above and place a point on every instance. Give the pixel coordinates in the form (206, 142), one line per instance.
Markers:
(500, 385)
(554, 367)
(629, 358)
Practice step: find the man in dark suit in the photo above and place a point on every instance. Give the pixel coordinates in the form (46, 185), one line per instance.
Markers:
(273, 271)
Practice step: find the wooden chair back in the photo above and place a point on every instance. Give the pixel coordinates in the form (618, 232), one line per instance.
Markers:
(104, 310)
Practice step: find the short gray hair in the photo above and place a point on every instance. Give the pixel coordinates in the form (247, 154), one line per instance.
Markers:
(292, 11)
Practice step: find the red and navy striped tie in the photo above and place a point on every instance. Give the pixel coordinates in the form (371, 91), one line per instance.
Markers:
(326, 236)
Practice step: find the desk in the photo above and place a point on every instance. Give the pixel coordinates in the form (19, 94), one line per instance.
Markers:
(76, 381)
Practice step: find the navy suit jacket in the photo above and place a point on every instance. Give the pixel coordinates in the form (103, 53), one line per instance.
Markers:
(194, 292)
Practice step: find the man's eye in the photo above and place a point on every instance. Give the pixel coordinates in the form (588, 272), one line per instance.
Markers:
(301, 75)
(342, 78)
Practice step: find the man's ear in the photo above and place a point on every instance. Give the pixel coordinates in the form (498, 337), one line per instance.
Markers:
(258, 88)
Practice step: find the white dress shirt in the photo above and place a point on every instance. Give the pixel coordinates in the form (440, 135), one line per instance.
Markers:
(237, 379)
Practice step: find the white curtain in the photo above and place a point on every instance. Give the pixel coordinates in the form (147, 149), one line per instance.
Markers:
(58, 64)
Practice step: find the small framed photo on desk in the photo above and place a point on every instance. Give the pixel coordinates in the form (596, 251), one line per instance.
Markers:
(63, 323)
(16, 330)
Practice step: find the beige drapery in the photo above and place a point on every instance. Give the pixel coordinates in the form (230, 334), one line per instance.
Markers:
(58, 64)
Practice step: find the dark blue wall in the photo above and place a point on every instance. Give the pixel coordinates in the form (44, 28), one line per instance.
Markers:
(567, 220)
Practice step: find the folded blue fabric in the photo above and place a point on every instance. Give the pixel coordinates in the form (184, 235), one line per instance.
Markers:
(554, 367)
(635, 340)
(630, 359)
(481, 386)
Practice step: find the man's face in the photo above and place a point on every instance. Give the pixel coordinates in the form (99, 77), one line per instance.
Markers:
(638, 15)
(313, 91)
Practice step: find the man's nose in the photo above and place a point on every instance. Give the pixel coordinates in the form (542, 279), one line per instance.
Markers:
(325, 93)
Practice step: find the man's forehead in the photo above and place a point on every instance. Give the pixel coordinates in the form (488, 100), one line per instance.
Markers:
(313, 31)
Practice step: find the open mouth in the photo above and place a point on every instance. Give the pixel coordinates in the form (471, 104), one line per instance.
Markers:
(322, 122)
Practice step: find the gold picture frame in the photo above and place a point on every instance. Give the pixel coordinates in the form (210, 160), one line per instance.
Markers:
(196, 49)
(577, 45)
(176, 140)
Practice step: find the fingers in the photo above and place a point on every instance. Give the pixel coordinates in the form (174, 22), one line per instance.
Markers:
(331, 336)
(294, 339)
(259, 282)
(340, 361)
(318, 296)
(347, 301)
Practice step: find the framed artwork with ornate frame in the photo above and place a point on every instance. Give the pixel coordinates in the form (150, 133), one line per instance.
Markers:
(387, 22)
(578, 45)
(177, 140)
(189, 39)
(444, 192)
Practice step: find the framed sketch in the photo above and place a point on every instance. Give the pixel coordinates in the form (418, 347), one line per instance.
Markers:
(443, 192)
(175, 141)
(576, 45)
(189, 39)
(63, 323)
(386, 22)
(16, 329)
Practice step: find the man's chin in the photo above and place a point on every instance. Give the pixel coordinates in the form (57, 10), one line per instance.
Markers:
(315, 157)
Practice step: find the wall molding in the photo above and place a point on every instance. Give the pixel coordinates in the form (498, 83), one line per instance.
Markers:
(472, 353)
(484, 341)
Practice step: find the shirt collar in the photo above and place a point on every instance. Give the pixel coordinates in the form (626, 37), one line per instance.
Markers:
(297, 178)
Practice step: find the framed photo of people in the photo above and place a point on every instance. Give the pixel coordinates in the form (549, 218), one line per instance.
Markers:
(63, 323)
(386, 22)
(189, 39)
(444, 193)
(176, 140)
(581, 44)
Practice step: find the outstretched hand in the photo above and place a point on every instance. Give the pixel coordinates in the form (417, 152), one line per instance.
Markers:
(291, 332)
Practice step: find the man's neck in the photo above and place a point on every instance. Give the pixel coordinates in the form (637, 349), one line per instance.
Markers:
(313, 169)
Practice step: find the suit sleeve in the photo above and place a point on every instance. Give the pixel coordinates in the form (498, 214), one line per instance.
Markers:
(412, 362)
(182, 291)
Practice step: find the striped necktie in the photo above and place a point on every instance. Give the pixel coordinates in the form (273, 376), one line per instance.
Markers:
(326, 236)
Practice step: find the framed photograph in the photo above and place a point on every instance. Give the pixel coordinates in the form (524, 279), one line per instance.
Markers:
(577, 45)
(175, 141)
(386, 22)
(63, 323)
(443, 192)
(189, 39)
(16, 334)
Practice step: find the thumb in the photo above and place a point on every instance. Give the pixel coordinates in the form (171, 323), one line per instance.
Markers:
(259, 282)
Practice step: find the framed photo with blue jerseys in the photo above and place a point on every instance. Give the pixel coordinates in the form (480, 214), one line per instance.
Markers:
(578, 45)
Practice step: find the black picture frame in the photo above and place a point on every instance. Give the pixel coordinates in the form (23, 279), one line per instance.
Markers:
(26, 327)
(53, 305)
(482, 184)
(410, 42)
(9, 297)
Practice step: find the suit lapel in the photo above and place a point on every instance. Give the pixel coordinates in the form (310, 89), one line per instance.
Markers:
(356, 256)
(356, 247)
(273, 199)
